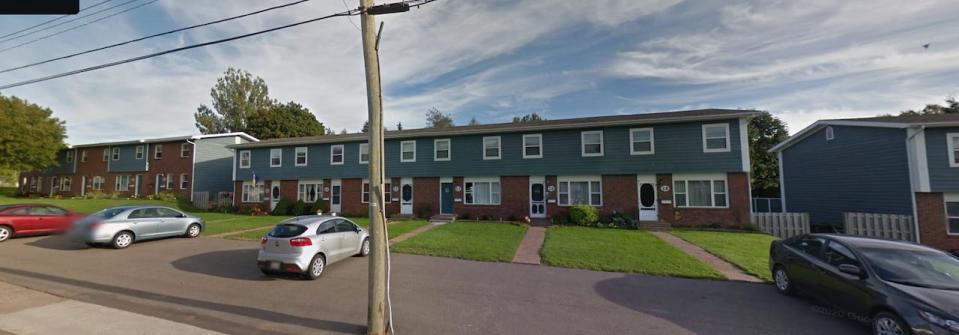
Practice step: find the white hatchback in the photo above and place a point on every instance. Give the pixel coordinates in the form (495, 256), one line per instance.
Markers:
(306, 244)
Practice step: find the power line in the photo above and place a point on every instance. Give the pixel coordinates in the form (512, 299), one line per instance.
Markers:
(152, 36)
(52, 20)
(68, 21)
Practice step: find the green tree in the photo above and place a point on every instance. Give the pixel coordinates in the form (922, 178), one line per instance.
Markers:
(436, 119)
(236, 96)
(765, 131)
(30, 136)
(952, 106)
(366, 127)
(399, 126)
(528, 118)
(474, 122)
(284, 120)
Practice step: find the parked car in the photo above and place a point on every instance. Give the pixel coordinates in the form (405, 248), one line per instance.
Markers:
(305, 245)
(34, 219)
(121, 226)
(902, 288)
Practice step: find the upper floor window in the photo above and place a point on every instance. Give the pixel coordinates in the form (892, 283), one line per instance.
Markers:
(364, 153)
(533, 146)
(716, 137)
(336, 154)
(185, 150)
(158, 151)
(441, 149)
(83, 156)
(492, 147)
(140, 152)
(300, 156)
(106, 154)
(700, 191)
(592, 143)
(276, 157)
(953, 144)
(69, 156)
(116, 154)
(830, 133)
(408, 151)
(245, 159)
(641, 141)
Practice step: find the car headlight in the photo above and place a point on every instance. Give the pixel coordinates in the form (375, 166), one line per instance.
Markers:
(940, 321)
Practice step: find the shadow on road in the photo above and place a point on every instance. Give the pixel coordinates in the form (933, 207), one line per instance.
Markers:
(233, 264)
(57, 242)
(249, 312)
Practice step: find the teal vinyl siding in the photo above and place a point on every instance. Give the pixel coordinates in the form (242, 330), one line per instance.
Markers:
(212, 162)
(62, 166)
(128, 161)
(942, 177)
(678, 149)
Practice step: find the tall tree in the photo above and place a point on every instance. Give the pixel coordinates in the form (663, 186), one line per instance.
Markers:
(436, 119)
(952, 106)
(366, 127)
(30, 135)
(765, 131)
(528, 118)
(236, 96)
(284, 120)
(474, 122)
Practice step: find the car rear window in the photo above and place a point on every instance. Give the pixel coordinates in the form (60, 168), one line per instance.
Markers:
(287, 230)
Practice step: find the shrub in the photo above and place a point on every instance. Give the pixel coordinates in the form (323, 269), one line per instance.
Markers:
(163, 196)
(299, 208)
(283, 207)
(320, 206)
(464, 216)
(486, 217)
(423, 211)
(583, 215)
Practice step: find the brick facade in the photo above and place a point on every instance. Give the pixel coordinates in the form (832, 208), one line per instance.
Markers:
(514, 200)
(426, 196)
(736, 214)
(931, 211)
(170, 164)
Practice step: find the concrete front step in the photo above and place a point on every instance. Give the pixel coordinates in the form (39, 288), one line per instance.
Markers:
(442, 218)
(654, 225)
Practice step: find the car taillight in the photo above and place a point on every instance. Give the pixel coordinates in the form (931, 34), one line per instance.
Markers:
(301, 242)
(263, 240)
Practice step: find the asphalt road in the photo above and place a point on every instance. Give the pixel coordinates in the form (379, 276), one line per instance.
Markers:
(214, 284)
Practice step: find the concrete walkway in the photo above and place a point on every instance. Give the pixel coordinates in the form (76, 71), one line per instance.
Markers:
(728, 270)
(528, 251)
(415, 232)
(27, 312)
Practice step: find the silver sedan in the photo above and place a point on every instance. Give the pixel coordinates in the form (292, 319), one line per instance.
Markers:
(119, 227)
(306, 244)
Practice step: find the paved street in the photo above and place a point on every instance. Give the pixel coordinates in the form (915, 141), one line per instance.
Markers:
(213, 283)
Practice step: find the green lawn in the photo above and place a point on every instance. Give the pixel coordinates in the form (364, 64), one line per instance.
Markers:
(619, 250)
(482, 241)
(395, 229)
(748, 251)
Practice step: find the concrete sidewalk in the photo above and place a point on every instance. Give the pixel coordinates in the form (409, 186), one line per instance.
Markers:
(528, 251)
(27, 312)
(728, 270)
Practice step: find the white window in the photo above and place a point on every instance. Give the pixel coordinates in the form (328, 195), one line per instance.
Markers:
(276, 157)
(140, 152)
(387, 193)
(251, 192)
(408, 151)
(116, 154)
(65, 183)
(953, 144)
(441, 150)
(98, 183)
(641, 141)
(245, 159)
(364, 153)
(158, 151)
(309, 191)
(492, 147)
(336, 154)
(533, 146)
(185, 150)
(83, 156)
(580, 190)
(830, 133)
(300, 156)
(184, 181)
(365, 195)
(716, 137)
(121, 183)
(952, 214)
(169, 181)
(592, 143)
(106, 154)
(70, 156)
(700, 191)
(481, 191)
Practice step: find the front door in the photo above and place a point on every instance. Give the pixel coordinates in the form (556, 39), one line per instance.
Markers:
(446, 198)
(336, 190)
(537, 197)
(406, 196)
(647, 198)
(274, 194)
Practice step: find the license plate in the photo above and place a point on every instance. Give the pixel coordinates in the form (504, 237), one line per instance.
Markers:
(274, 265)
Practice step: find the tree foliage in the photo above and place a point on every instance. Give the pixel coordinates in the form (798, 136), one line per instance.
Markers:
(528, 118)
(236, 97)
(952, 106)
(474, 122)
(399, 126)
(366, 127)
(765, 131)
(436, 119)
(284, 120)
(30, 136)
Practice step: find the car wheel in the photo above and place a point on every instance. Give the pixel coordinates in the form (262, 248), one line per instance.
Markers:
(122, 240)
(5, 233)
(783, 283)
(365, 248)
(317, 265)
(886, 323)
(192, 231)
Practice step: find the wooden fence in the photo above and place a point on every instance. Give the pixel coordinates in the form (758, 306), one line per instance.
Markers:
(202, 200)
(887, 226)
(781, 225)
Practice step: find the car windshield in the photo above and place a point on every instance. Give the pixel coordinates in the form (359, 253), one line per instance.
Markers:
(915, 268)
(287, 230)
(108, 213)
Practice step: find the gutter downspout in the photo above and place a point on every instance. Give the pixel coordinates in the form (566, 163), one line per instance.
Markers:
(192, 170)
(915, 209)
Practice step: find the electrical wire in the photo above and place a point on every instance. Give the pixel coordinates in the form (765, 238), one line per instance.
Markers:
(52, 20)
(153, 36)
(68, 21)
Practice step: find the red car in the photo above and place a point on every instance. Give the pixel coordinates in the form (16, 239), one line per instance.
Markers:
(27, 219)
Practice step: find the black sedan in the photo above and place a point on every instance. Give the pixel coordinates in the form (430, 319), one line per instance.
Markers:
(901, 288)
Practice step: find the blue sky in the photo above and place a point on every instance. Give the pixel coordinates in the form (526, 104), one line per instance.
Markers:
(495, 59)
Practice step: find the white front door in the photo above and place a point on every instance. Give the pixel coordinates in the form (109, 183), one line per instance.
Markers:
(336, 195)
(646, 187)
(274, 193)
(406, 196)
(537, 197)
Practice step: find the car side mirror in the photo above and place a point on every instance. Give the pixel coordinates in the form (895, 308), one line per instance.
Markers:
(851, 270)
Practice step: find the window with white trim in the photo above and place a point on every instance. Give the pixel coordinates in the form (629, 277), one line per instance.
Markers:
(140, 152)
(953, 145)
(106, 154)
(830, 133)
(533, 146)
(169, 181)
(184, 150)
(387, 193)
(250, 192)
(641, 141)
(158, 151)
(492, 147)
(481, 191)
(97, 183)
(580, 191)
(592, 143)
(300, 156)
(408, 151)
(276, 157)
(952, 214)
(116, 154)
(441, 149)
(83, 156)
(716, 137)
(364, 153)
(66, 183)
(245, 159)
(184, 181)
(336, 154)
(309, 191)
(365, 196)
(700, 191)
(69, 156)
(121, 183)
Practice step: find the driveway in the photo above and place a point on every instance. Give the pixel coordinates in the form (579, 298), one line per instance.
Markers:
(213, 283)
